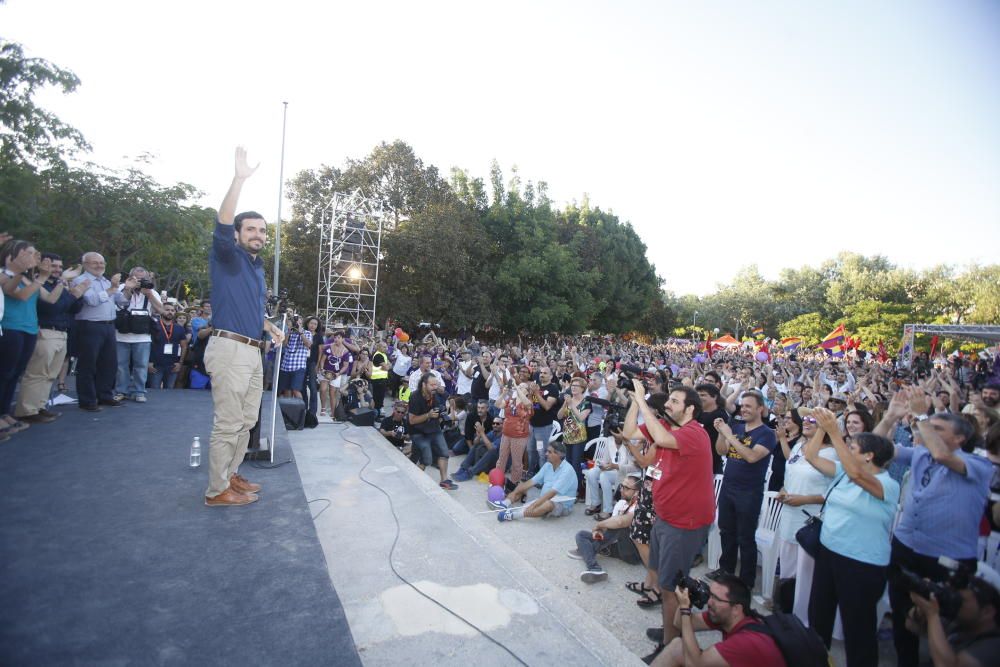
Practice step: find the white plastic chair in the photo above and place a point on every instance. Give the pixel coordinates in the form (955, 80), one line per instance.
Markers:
(767, 542)
(714, 541)
(600, 446)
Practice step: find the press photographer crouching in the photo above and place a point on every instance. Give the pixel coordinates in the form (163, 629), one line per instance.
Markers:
(745, 642)
(957, 621)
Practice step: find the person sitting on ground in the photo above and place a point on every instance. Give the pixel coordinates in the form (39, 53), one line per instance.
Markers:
(728, 611)
(359, 398)
(556, 479)
(611, 534)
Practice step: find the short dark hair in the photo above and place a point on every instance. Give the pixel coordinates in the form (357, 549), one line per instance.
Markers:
(691, 399)
(13, 248)
(756, 396)
(51, 256)
(961, 427)
(247, 215)
(708, 388)
(736, 590)
(713, 374)
(880, 447)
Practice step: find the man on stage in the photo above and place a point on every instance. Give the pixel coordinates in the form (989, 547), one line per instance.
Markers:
(233, 353)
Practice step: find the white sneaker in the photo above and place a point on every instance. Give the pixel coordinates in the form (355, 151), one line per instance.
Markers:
(592, 576)
(574, 553)
(140, 398)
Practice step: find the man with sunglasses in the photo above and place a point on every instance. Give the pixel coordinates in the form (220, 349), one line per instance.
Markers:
(394, 427)
(729, 612)
(609, 535)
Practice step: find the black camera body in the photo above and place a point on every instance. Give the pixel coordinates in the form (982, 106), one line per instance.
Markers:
(626, 374)
(697, 589)
(145, 283)
(948, 593)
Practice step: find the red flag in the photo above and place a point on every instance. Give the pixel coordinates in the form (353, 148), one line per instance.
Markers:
(883, 356)
(934, 344)
(708, 345)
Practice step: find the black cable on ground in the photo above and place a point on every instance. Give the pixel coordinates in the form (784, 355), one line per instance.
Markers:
(392, 550)
(328, 504)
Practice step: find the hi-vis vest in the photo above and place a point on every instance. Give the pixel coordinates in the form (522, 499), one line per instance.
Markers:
(377, 372)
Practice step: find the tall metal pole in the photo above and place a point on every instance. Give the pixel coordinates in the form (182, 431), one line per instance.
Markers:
(281, 190)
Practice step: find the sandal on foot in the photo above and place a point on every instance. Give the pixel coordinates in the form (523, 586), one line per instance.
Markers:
(649, 600)
(638, 587)
(590, 511)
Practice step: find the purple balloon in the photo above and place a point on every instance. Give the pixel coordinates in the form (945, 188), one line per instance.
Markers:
(761, 356)
(699, 358)
(495, 493)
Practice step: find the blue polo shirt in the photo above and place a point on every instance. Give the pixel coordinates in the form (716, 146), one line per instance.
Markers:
(942, 508)
(238, 288)
(562, 479)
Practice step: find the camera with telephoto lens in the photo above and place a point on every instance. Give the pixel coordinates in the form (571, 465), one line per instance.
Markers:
(614, 415)
(626, 374)
(948, 593)
(697, 590)
(145, 283)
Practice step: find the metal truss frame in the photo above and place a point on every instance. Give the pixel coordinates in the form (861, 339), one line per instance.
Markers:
(984, 332)
(349, 252)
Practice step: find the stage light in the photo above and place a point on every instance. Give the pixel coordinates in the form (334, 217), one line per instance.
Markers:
(355, 273)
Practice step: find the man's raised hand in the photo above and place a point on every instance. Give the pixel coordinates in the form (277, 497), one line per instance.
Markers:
(243, 168)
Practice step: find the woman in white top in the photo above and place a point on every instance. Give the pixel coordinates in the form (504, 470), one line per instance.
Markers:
(803, 490)
(401, 362)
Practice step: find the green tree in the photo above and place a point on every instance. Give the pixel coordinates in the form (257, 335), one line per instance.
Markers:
(873, 321)
(32, 136)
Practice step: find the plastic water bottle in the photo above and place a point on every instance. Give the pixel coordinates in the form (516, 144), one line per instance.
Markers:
(195, 452)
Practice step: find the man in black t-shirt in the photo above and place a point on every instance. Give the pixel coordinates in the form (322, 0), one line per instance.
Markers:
(545, 396)
(712, 408)
(394, 427)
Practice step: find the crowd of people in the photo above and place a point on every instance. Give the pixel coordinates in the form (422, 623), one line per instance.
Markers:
(902, 464)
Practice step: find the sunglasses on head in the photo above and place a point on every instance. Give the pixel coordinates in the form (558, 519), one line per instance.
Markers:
(811, 420)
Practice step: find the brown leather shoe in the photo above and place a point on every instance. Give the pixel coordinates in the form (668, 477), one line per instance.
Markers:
(38, 418)
(49, 413)
(242, 484)
(230, 497)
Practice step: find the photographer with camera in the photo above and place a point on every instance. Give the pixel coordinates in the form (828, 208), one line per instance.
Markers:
(728, 611)
(683, 489)
(394, 428)
(292, 373)
(134, 323)
(943, 506)
(968, 638)
(426, 409)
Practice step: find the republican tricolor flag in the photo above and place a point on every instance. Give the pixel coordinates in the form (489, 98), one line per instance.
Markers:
(789, 344)
(834, 342)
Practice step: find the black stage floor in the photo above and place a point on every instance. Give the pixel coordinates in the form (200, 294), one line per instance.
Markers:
(109, 556)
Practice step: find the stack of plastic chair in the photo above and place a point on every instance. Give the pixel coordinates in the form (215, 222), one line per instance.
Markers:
(714, 541)
(767, 541)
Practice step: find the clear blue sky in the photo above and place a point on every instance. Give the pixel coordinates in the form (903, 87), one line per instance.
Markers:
(726, 132)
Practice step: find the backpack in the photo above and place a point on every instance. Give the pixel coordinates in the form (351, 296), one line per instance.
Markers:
(800, 646)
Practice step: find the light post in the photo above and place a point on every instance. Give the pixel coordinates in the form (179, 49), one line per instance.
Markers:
(694, 323)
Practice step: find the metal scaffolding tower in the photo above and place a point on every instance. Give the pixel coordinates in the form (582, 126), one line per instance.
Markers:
(988, 333)
(349, 251)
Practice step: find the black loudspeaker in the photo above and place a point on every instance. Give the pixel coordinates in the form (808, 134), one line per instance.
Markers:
(293, 411)
(363, 418)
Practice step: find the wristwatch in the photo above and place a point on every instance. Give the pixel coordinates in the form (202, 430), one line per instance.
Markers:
(920, 418)
(9, 273)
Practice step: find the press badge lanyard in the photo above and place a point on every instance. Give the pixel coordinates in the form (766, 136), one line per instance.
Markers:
(168, 347)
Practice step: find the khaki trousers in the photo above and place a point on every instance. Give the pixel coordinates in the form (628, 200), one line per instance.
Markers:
(237, 385)
(42, 371)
